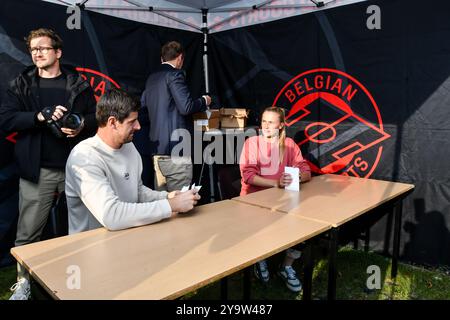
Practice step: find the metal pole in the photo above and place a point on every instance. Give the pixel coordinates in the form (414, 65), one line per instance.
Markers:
(205, 70)
(205, 47)
(397, 231)
(332, 271)
(308, 270)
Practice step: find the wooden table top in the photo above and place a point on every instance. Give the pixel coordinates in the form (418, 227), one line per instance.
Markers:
(168, 259)
(329, 198)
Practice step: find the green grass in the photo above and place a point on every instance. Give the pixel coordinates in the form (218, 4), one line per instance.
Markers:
(7, 279)
(412, 283)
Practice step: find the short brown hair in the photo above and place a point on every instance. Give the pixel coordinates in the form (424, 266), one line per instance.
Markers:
(171, 50)
(115, 103)
(57, 42)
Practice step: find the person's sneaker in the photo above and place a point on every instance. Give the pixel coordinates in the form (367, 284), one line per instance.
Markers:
(262, 271)
(21, 290)
(290, 278)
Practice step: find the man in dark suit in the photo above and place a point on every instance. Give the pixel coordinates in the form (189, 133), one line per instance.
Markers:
(169, 104)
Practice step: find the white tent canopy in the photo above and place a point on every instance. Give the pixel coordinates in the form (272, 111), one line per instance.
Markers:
(205, 16)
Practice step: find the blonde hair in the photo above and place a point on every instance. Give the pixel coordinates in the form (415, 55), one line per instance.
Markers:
(282, 132)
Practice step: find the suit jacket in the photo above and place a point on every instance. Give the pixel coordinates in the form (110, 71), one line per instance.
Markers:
(170, 105)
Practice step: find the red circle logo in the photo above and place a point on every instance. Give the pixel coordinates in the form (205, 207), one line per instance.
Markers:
(98, 81)
(337, 119)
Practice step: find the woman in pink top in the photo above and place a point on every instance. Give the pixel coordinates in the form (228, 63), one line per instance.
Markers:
(262, 164)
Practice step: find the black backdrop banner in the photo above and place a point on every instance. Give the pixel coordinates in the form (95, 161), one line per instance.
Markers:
(108, 52)
(361, 102)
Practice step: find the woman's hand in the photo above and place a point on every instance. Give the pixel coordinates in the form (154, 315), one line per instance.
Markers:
(285, 180)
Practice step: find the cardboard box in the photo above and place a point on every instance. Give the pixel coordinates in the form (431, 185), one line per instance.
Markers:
(206, 120)
(233, 117)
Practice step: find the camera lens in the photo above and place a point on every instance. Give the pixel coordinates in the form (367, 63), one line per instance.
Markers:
(72, 121)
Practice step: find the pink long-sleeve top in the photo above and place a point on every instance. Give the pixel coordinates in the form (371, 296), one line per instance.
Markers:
(261, 158)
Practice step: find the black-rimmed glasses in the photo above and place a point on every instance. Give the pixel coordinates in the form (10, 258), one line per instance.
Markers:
(43, 50)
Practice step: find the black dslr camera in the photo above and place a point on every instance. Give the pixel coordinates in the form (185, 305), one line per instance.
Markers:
(69, 120)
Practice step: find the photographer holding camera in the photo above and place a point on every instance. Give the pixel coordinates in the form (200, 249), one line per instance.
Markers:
(52, 108)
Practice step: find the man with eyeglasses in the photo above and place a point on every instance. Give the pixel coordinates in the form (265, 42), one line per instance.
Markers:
(36, 105)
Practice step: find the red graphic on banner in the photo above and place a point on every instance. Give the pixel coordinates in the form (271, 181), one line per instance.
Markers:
(339, 120)
(11, 137)
(98, 81)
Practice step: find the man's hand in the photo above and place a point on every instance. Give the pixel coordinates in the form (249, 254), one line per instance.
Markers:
(184, 201)
(57, 114)
(207, 99)
(73, 132)
(172, 194)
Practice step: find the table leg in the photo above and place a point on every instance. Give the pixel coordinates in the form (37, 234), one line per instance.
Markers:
(367, 240)
(38, 292)
(308, 271)
(211, 182)
(247, 275)
(224, 288)
(332, 271)
(397, 230)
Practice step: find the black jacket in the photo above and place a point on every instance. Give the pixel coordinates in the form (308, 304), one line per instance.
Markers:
(169, 104)
(19, 109)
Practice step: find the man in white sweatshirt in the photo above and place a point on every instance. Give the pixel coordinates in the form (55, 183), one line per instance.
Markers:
(103, 175)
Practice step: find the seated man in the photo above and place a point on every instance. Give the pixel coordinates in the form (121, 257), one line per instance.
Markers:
(103, 175)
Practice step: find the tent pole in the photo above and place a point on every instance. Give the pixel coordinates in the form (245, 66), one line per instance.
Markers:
(205, 70)
(205, 47)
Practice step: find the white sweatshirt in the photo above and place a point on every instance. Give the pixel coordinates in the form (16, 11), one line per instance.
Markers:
(104, 187)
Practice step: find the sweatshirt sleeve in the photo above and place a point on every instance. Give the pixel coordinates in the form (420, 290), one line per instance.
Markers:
(90, 183)
(296, 159)
(249, 164)
(146, 194)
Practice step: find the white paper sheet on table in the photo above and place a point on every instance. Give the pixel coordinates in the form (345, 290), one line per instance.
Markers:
(186, 188)
(295, 184)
